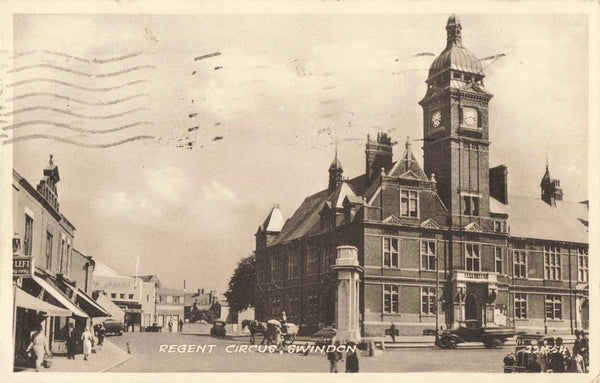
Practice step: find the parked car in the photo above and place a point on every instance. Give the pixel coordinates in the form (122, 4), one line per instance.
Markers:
(154, 328)
(218, 329)
(113, 326)
(470, 331)
(518, 361)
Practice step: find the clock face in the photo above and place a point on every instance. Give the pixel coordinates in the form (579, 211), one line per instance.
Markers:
(436, 119)
(470, 117)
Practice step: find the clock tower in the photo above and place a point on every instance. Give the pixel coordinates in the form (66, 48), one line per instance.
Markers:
(456, 130)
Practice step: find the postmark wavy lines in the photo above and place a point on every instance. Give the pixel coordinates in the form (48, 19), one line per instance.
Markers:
(63, 111)
(75, 128)
(82, 102)
(53, 81)
(92, 61)
(76, 143)
(91, 75)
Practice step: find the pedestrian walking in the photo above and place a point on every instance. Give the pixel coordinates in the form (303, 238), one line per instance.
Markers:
(559, 356)
(543, 355)
(71, 342)
(533, 364)
(100, 334)
(180, 325)
(87, 339)
(585, 349)
(393, 332)
(351, 358)
(170, 325)
(39, 345)
(334, 357)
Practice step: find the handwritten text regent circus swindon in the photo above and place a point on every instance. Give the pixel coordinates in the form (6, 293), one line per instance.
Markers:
(243, 349)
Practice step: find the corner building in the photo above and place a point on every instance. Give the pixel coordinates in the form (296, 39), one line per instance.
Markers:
(444, 239)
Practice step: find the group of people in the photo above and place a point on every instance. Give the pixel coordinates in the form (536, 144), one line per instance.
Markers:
(179, 325)
(39, 350)
(545, 357)
(336, 356)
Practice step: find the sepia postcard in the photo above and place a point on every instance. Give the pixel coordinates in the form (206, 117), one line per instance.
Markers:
(406, 190)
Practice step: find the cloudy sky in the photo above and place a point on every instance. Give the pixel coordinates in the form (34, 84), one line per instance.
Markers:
(218, 140)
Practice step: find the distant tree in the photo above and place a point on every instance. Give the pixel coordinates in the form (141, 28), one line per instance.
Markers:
(242, 285)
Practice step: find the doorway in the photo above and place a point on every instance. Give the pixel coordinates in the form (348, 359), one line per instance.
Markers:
(471, 308)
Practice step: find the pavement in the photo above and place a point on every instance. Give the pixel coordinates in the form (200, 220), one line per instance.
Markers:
(109, 356)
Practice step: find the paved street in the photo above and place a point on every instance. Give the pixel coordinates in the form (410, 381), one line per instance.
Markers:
(145, 348)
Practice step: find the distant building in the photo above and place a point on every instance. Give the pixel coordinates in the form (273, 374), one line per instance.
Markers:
(169, 307)
(134, 296)
(440, 243)
(198, 301)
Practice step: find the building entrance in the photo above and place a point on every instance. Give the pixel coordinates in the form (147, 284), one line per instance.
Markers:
(471, 308)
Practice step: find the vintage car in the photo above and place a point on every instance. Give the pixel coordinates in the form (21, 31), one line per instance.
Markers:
(218, 329)
(113, 326)
(526, 344)
(470, 331)
(154, 328)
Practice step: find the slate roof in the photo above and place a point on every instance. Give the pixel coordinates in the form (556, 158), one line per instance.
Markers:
(530, 217)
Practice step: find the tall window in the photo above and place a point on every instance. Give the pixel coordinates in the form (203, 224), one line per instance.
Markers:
(553, 307)
(520, 306)
(582, 265)
(28, 237)
(498, 256)
(472, 257)
(276, 270)
(294, 265)
(552, 266)
(312, 261)
(471, 204)
(428, 300)
(428, 255)
(391, 255)
(68, 260)
(520, 264)
(48, 250)
(409, 203)
(391, 299)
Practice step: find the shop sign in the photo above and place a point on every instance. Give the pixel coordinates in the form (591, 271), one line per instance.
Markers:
(22, 267)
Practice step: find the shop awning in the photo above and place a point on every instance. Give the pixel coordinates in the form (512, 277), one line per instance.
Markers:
(58, 295)
(98, 311)
(30, 302)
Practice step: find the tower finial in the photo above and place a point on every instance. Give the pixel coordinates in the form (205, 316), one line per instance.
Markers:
(453, 29)
(408, 143)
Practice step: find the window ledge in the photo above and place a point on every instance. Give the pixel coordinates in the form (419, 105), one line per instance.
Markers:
(392, 314)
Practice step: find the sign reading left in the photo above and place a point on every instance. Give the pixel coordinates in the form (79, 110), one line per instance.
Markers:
(22, 267)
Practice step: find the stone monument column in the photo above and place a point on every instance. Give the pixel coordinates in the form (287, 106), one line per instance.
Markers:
(347, 302)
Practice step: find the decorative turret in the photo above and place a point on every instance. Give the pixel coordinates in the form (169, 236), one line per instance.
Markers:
(47, 186)
(335, 173)
(378, 155)
(551, 190)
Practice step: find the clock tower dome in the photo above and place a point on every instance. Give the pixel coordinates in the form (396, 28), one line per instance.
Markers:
(456, 129)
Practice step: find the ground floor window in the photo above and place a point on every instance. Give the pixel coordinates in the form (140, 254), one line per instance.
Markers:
(521, 306)
(553, 307)
(391, 299)
(428, 300)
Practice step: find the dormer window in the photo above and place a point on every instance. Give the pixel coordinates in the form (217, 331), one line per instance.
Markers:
(409, 203)
(457, 75)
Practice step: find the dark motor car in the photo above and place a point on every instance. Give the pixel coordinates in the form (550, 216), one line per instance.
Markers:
(470, 331)
(154, 328)
(113, 326)
(524, 347)
(218, 329)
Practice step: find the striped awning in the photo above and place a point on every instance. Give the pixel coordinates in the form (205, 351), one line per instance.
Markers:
(58, 295)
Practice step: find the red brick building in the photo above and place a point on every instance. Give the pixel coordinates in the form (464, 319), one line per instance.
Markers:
(444, 239)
